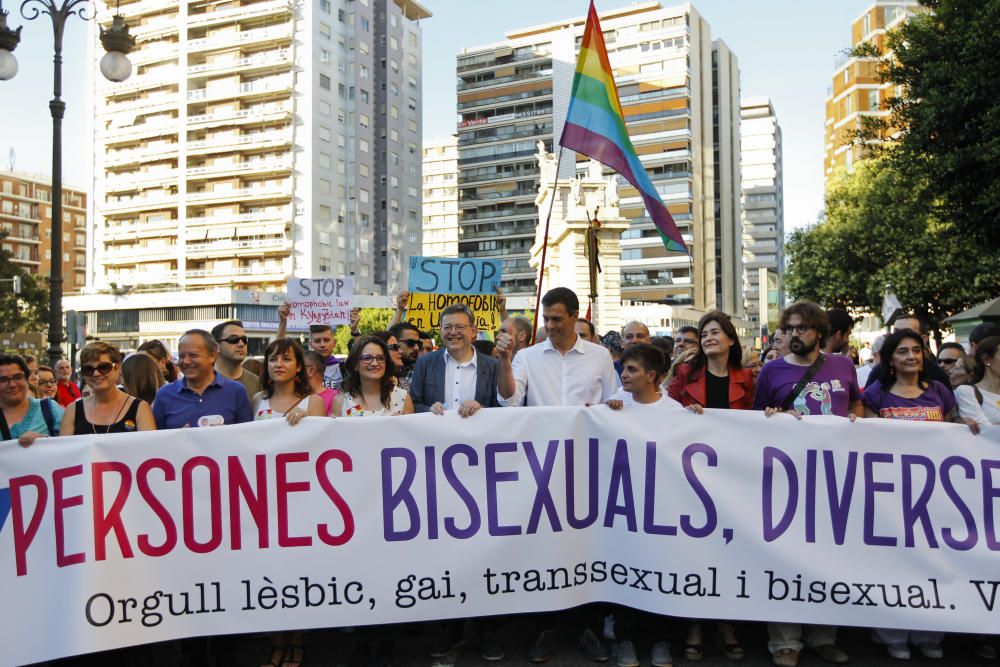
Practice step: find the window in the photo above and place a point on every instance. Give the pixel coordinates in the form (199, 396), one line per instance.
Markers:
(393, 135)
(324, 160)
(363, 145)
(324, 56)
(341, 141)
(365, 24)
(324, 30)
(411, 103)
(324, 108)
(364, 96)
(363, 169)
(324, 82)
(341, 167)
(324, 213)
(340, 115)
(341, 16)
(324, 238)
(341, 90)
(363, 46)
(324, 133)
(324, 186)
(324, 6)
(363, 120)
(324, 264)
(873, 100)
(363, 71)
(393, 111)
(363, 196)
(393, 43)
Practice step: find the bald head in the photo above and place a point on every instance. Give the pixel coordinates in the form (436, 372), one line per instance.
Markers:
(633, 334)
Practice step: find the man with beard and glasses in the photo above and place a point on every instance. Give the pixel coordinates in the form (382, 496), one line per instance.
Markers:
(831, 388)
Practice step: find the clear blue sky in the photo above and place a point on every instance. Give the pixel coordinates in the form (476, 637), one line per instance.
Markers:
(786, 50)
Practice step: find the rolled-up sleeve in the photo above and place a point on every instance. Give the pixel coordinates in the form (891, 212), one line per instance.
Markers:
(520, 370)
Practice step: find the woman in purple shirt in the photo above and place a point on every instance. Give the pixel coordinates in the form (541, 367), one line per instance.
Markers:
(908, 394)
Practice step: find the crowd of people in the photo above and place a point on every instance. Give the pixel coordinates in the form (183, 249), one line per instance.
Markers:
(806, 370)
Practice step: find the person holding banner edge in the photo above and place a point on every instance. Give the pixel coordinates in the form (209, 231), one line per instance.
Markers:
(368, 387)
(807, 382)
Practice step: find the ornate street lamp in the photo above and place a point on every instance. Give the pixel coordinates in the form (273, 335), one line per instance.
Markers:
(115, 66)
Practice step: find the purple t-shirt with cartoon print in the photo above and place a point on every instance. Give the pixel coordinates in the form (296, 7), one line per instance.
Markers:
(830, 392)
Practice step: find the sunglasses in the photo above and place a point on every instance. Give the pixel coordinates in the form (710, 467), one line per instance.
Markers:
(372, 359)
(394, 347)
(410, 343)
(233, 340)
(103, 368)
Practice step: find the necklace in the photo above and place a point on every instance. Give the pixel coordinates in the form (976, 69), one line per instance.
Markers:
(114, 417)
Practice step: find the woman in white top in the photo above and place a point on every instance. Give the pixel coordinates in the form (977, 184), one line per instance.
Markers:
(980, 401)
(368, 387)
(286, 387)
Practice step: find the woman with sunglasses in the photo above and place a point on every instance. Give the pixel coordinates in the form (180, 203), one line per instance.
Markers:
(286, 391)
(106, 409)
(369, 389)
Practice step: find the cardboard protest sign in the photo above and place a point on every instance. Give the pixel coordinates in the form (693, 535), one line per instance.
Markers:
(437, 282)
(319, 301)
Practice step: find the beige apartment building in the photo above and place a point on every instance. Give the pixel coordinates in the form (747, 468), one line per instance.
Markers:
(440, 212)
(257, 140)
(680, 93)
(26, 218)
(857, 91)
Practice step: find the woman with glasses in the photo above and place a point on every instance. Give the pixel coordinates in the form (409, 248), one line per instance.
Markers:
(368, 387)
(106, 409)
(24, 418)
(46, 385)
(286, 391)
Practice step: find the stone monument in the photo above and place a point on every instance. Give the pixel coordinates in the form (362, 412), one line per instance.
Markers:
(584, 215)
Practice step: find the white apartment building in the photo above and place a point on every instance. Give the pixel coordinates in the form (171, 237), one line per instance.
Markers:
(257, 140)
(763, 201)
(680, 95)
(441, 197)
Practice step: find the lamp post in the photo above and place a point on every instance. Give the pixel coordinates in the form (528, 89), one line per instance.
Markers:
(115, 66)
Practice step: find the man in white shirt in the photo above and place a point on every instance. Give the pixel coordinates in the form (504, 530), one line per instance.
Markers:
(564, 370)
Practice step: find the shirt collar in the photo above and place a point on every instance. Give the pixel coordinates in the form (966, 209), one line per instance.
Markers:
(578, 346)
(216, 382)
(471, 362)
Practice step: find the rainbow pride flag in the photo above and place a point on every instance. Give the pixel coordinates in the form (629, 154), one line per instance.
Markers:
(595, 127)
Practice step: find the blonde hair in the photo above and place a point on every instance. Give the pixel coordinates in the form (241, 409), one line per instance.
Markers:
(93, 351)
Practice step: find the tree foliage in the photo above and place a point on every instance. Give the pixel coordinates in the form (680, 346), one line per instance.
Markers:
(372, 320)
(946, 119)
(879, 229)
(25, 312)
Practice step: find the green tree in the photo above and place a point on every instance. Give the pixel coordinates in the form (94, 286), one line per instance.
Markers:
(372, 320)
(27, 311)
(879, 228)
(945, 121)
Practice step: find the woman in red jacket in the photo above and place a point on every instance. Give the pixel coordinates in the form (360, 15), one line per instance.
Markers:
(714, 378)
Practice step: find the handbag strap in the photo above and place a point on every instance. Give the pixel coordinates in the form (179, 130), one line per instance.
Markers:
(5, 433)
(806, 379)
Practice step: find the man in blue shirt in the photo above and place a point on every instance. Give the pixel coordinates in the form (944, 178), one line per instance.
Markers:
(201, 396)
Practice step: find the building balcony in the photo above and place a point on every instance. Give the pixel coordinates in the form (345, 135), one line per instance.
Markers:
(161, 27)
(134, 230)
(255, 10)
(275, 34)
(281, 58)
(239, 168)
(225, 143)
(148, 105)
(152, 54)
(127, 255)
(134, 278)
(478, 85)
(139, 156)
(272, 217)
(260, 87)
(231, 248)
(140, 181)
(156, 79)
(242, 194)
(131, 133)
(265, 113)
(134, 10)
(241, 274)
(138, 203)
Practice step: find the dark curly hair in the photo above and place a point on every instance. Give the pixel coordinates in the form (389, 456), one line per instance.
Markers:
(892, 341)
(352, 378)
(280, 346)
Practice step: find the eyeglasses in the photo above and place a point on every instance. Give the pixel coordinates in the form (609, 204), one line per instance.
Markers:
(457, 328)
(393, 347)
(17, 379)
(372, 359)
(797, 328)
(46, 383)
(414, 342)
(103, 368)
(234, 339)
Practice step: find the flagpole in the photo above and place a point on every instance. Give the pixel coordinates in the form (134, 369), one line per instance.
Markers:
(545, 246)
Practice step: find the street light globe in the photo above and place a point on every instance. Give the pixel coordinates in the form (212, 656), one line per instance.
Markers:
(8, 65)
(115, 66)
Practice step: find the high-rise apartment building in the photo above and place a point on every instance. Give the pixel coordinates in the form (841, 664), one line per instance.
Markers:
(857, 90)
(441, 197)
(673, 83)
(26, 219)
(259, 139)
(763, 200)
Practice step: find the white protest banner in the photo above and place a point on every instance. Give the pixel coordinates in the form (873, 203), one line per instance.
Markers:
(319, 301)
(108, 541)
